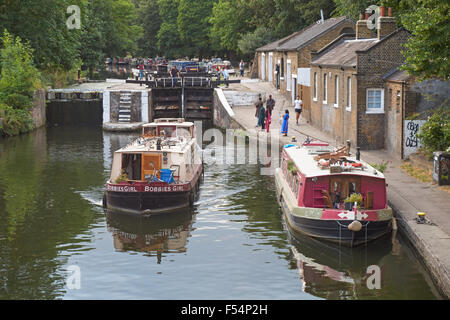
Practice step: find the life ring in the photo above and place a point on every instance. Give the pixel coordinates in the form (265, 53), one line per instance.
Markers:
(357, 164)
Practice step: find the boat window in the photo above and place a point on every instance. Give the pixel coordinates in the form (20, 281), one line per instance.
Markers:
(183, 132)
(149, 131)
(351, 187)
(168, 131)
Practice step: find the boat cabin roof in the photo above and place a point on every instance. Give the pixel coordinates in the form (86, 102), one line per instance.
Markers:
(303, 157)
(162, 132)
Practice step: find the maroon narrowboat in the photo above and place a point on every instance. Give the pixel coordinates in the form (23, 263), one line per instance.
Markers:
(158, 172)
(329, 195)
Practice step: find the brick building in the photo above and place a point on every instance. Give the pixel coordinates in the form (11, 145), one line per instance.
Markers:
(348, 89)
(285, 62)
(407, 98)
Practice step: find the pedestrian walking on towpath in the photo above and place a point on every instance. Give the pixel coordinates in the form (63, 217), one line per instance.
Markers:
(284, 126)
(270, 104)
(262, 117)
(298, 103)
(268, 118)
(258, 106)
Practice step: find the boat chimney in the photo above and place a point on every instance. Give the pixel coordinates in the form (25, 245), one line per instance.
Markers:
(358, 154)
(158, 144)
(348, 146)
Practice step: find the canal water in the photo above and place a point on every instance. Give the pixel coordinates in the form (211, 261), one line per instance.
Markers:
(56, 241)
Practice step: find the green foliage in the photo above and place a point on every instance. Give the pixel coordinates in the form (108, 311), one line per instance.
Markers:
(251, 41)
(193, 26)
(14, 121)
(169, 41)
(434, 134)
(123, 177)
(355, 197)
(43, 24)
(18, 77)
(427, 55)
(227, 24)
(381, 166)
(18, 80)
(150, 20)
(352, 8)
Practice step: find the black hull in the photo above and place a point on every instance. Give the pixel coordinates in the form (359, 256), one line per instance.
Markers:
(337, 230)
(147, 203)
(151, 203)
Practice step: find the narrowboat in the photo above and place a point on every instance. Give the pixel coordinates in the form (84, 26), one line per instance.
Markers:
(158, 172)
(327, 194)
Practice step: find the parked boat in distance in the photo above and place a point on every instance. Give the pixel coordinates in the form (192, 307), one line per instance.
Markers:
(158, 172)
(329, 195)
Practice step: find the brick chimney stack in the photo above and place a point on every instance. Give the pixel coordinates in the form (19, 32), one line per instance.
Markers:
(385, 25)
(362, 32)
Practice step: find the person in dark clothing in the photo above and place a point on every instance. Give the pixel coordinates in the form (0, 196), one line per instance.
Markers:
(258, 106)
(262, 117)
(270, 104)
(173, 74)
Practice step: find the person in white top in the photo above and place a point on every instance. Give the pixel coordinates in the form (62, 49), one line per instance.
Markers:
(298, 104)
(226, 75)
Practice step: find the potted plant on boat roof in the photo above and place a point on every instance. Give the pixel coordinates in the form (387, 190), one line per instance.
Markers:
(350, 201)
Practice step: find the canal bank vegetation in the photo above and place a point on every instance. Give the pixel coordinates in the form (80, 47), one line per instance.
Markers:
(18, 80)
(434, 134)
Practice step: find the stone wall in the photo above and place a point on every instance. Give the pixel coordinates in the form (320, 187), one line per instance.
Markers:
(224, 116)
(38, 112)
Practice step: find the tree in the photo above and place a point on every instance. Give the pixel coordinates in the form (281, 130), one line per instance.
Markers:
(93, 37)
(150, 20)
(251, 41)
(169, 42)
(193, 25)
(228, 24)
(352, 8)
(427, 55)
(18, 80)
(43, 24)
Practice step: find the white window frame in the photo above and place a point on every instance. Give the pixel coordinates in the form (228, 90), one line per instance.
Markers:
(288, 75)
(325, 87)
(315, 87)
(336, 91)
(349, 94)
(373, 110)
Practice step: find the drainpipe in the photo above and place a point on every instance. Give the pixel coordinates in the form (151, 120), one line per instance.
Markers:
(403, 118)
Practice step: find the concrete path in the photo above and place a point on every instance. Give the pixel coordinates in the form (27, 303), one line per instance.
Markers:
(406, 195)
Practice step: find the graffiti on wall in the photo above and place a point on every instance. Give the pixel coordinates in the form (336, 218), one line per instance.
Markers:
(411, 142)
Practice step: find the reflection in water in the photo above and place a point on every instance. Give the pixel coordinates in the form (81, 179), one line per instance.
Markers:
(155, 234)
(333, 272)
